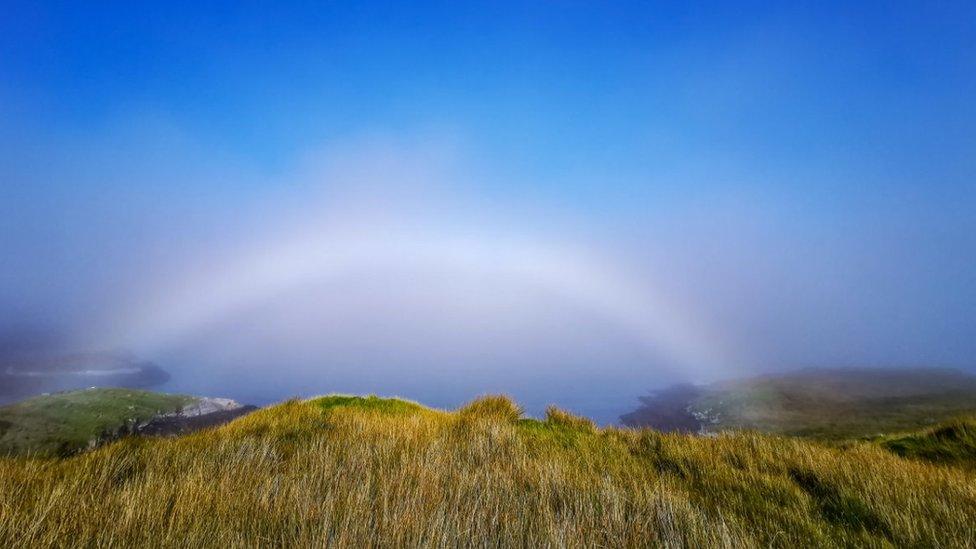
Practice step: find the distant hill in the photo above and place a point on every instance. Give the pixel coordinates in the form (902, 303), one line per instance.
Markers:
(831, 404)
(65, 423)
(374, 472)
(26, 375)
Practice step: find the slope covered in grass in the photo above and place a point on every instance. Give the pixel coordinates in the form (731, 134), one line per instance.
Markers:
(64, 423)
(953, 442)
(827, 404)
(352, 471)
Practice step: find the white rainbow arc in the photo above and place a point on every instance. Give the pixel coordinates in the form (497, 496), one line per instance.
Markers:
(653, 320)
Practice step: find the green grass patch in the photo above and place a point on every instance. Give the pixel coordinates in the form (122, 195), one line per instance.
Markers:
(64, 423)
(546, 432)
(371, 403)
(560, 429)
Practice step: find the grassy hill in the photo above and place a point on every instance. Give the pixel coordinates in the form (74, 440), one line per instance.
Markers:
(828, 404)
(952, 443)
(352, 471)
(64, 423)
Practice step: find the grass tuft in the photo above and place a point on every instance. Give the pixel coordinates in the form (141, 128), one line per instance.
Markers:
(492, 406)
(562, 418)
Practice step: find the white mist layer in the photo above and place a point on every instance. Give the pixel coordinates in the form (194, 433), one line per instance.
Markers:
(402, 265)
(489, 267)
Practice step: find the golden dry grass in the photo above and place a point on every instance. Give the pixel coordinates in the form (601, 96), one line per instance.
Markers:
(357, 472)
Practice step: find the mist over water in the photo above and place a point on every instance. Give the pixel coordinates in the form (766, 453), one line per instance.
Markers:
(388, 268)
(678, 218)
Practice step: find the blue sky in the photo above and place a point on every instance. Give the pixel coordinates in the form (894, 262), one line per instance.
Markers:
(546, 86)
(799, 178)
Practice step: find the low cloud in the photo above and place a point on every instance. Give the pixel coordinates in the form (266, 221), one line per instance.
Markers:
(394, 262)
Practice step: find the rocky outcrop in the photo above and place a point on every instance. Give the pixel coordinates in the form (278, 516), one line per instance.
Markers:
(208, 405)
(203, 413)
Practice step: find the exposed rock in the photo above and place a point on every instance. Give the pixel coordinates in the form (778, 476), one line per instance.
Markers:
(209, 412)
(208, 405)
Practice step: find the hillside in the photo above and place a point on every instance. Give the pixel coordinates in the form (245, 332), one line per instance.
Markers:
(352, 471)
(828, 404)
(952, 443)
(65, 423)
